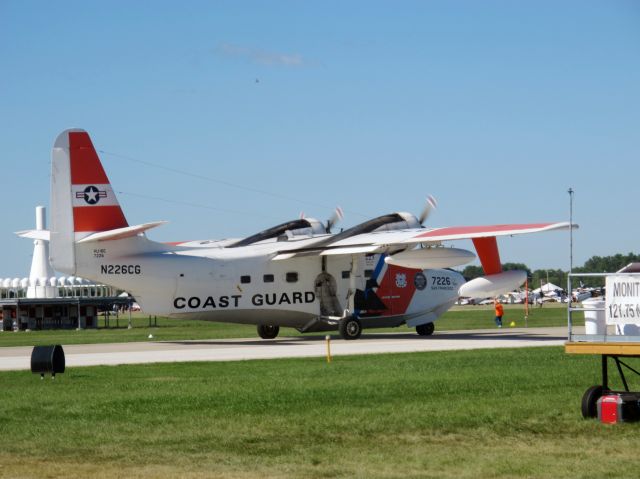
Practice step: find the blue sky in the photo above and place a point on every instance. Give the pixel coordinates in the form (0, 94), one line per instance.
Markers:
(496, 108)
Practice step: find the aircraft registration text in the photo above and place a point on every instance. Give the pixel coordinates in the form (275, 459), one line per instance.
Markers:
(120, 269)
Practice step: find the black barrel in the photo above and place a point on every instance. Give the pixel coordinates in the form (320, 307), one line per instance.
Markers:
(47, 359)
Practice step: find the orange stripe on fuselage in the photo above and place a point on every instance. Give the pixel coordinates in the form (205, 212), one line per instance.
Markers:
(86, 168)
(487, 249)
(98, 218)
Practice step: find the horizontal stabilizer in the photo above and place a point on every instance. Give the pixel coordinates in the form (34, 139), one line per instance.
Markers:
(120, 233)
(34, 234)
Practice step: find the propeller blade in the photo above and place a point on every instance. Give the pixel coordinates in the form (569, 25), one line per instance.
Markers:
(338, 215)
(428, 208)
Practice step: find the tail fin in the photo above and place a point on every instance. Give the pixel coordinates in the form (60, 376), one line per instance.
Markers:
(82, 200)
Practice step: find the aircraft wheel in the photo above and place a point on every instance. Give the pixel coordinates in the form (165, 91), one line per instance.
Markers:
(590, 401)
(425, 329)
(268, 331)
(350, 328)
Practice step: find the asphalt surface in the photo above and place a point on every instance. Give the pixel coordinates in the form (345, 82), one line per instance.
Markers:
(19, 358)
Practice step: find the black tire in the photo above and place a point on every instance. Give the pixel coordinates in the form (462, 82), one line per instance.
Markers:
(425, 329)
(590, 401)
(350, 328)
(268, 331)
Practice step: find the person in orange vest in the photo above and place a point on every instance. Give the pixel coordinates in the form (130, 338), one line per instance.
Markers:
(499, 312)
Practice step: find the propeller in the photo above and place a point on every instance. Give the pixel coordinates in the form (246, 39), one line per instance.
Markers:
(338, 215)
(428, 208)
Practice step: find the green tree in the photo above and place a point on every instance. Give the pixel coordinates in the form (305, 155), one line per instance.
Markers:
(605, 264)
(471, 272)
(516, 266)
(555, 276)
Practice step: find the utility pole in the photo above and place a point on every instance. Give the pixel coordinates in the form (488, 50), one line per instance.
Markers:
(569, 285)
(570, 230)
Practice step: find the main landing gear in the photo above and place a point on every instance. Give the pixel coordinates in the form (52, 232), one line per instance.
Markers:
(350, 328)
(425, 329)
(268, 331)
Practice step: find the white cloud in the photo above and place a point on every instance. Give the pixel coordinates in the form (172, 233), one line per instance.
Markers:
(262, 57)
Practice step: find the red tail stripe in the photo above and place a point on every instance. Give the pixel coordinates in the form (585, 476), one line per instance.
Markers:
(86, 168)
(487, 249)
(98, 218)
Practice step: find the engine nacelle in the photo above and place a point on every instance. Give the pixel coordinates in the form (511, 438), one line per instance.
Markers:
(431, 258)
(493, 284)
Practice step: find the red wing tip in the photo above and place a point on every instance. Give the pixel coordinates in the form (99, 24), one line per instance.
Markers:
(467, 230)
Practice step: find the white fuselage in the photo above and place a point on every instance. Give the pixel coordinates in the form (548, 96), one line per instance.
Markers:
(209, 280)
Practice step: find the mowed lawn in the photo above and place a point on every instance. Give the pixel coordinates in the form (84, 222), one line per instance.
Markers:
(463, 414)
(467, 317)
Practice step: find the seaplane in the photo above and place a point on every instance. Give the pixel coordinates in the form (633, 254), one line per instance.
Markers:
(385, 272)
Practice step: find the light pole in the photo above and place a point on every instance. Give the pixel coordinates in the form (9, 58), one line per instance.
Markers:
(569, 286)
(570, 230)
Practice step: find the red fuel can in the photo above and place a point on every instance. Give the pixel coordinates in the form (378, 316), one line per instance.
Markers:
(621, 407)
(609, 409)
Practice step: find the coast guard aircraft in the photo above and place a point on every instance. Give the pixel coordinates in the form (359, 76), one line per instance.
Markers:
(387, 271)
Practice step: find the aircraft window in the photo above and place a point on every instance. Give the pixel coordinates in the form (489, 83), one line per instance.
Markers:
(245, 279)
(368, 273)
(345, 274)
(292, 277)
(268, 278)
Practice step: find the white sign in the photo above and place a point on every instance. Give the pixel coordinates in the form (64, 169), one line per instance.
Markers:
(623, 299)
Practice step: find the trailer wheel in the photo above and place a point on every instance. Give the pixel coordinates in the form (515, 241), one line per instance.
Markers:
(350, 328)
(590, 401)
(425, 329)
(268, 331)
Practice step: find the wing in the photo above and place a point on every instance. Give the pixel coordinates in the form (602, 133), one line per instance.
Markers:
(397, 242)
(471, 232)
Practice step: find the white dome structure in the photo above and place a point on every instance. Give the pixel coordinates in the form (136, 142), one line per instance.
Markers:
(45, 301)
(41, 270)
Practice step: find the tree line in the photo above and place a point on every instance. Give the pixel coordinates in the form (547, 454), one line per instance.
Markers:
(595, 264)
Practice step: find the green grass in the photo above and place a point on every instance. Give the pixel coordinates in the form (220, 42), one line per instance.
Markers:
(467, 317)
(463, 414)
(477, 317)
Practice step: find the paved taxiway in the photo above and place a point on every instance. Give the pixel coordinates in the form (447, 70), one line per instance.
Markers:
(19, 358)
